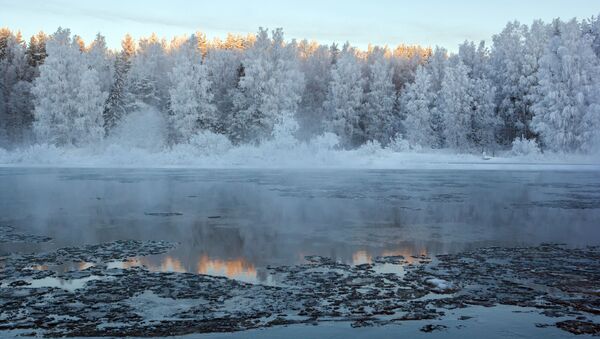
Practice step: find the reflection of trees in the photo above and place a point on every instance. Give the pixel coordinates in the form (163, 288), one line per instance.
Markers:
(277, 217)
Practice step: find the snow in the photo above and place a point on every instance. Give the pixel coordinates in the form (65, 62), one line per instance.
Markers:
(440, 284)
(317, 153)
(155, 308)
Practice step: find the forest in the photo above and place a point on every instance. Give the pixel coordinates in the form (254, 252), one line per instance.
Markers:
(533, 88)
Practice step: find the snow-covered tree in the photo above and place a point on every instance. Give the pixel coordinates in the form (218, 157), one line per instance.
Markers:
(54, 90)
(316, 63)
(190, 101)
(436, 67)
(88, 123)
(591, 27)
(514, 62)
(484, 122)
(467, 106)
(379, 118)
(456, 105)
(269, 90)
(223, 66)
(15, 98)
(418, 103)
(535, 83)
(147, 82)
(567, 105)
(405, 61)
(507, 67)
(345, 97)
(475, 58)
(68, 98)
(535, 46)
(36, 51)
(102, 60)
(116, 105)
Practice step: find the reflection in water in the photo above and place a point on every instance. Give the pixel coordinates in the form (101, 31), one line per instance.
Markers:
(169, 264)
(277, 217)
(361, 257)
(408, 254)
(84, 265)
(234, 269)
(238, 269)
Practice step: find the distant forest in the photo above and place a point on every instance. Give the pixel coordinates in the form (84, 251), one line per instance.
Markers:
(537, 84)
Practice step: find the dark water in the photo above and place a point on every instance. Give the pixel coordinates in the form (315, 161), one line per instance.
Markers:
(237, 222)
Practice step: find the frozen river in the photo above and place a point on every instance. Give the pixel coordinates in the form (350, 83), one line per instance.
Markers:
(235, 223)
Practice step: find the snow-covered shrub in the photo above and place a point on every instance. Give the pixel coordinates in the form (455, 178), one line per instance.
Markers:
(39, 154)
(371, 147)
(146, 129)
(399, 144)
(209, 143)
(522, 146)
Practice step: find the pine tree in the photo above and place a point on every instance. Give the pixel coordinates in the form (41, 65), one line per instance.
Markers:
(15, 74)
(270, 89)
(5, 36)
(115, 106)
(223, 73)
(436, 67)
(405, 61)
(36, 51)
(190, 101)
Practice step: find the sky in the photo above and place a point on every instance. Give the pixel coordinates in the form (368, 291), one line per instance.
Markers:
(381, 22)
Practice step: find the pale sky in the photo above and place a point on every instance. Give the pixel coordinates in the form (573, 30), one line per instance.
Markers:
(426, 22)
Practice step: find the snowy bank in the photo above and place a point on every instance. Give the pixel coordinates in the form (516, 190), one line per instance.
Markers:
(319, 154)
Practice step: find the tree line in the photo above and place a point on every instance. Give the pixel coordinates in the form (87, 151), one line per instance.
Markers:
(539, 82)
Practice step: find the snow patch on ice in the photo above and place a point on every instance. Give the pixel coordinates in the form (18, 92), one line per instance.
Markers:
(440, 285)
(155, 308)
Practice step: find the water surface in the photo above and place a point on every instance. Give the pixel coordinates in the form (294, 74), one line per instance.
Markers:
(235, 223)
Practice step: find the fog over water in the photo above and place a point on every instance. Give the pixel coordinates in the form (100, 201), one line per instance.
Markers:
(237, 222)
